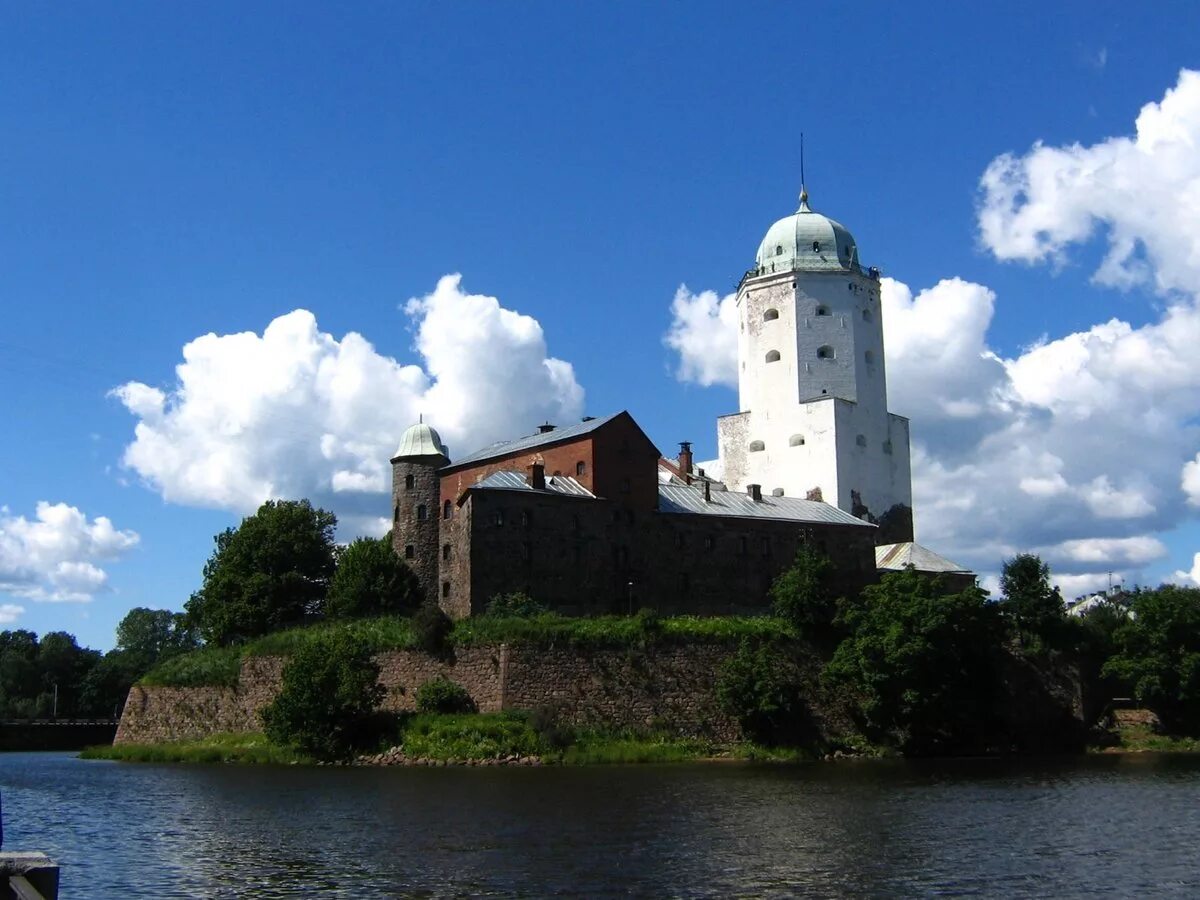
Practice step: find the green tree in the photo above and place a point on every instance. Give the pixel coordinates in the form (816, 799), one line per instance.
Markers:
(1034, 607)
(330, 690)
(1159, 654)
(922, 665)
(63, 665)
(20, 676)
(431, 629)
(801, 594)
(371, 580)
(103, 690)
(150, 636)
(270, 572)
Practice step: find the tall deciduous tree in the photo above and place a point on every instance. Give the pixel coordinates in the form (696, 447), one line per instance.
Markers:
(1030, 603)
(270, 572)
(371, 580)
(1159, 654)
(152, 635)
(922, 664)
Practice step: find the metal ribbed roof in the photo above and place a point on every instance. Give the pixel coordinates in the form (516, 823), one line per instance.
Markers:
(689, 500)
(515, 481)
(897, 556)
(532, 442)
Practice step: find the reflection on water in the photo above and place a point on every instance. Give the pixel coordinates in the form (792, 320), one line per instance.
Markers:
(1100, 825)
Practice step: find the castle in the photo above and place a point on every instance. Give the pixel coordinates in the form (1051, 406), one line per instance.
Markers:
(591, 518)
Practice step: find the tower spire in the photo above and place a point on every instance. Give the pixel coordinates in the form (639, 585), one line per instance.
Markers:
(803, 189)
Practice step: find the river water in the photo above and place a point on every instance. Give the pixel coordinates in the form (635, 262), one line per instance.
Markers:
(1112, 825)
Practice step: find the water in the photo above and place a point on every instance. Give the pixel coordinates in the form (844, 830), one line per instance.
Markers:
(1127, 826)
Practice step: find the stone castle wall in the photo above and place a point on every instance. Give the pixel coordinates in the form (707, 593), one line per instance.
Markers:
(667, 687)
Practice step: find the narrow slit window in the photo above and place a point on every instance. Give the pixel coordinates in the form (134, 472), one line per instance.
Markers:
(447, 509)
(422, 513)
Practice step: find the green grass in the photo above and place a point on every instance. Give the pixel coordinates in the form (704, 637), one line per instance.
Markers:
(217, 748)
(206, 666)
(221, 665)
(470, 736)
(600, 748)
(1140, 738)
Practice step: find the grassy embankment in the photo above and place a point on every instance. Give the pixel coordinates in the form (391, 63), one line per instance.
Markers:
(475, 736)
(459, 738)
(1144, 739)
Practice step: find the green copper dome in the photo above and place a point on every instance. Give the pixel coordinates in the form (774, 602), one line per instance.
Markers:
(806, 241)
(421, 440)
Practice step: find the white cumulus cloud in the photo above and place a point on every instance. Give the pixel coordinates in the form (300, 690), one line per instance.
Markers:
(54, 556)
(1143, 189)
(10, 612)
(1081, 446)
(296, 412)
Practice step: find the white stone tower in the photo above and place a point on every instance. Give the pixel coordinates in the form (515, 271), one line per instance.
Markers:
(812, 382)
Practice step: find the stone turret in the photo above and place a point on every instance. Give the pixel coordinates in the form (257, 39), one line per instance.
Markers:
(416, 503)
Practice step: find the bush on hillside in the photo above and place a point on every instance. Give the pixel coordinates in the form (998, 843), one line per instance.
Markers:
(801, 595)
(441, 695)
(517, 605)
(431, 629)
(329, 693)
(757, 687)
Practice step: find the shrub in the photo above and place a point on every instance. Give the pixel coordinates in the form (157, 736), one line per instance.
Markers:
(517, 605)
(546, 721)
(801, 594)
(431, 629)
(330, 690)
(757, 686)
(441, 695)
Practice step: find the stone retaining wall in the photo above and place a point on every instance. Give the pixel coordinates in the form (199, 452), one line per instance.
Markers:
(664, 687)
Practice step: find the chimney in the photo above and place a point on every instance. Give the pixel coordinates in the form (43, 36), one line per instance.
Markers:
(708, 492)
(685, 461)
(537, 476)
(755, 492)
(545, 429)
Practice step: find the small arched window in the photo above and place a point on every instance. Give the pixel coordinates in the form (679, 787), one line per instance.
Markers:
(445, 551)
(796, 440)
(816, 246)
(756, 446)
(825, 352)
(447, 509)
(869, 357)
(422, 513)
(779, 249)
(823, 311)
(861, 440)
(498, 517)
(770, 315)
(409, 551)
(866, 315)
(580, 468)
(408, 482)
(396, 513)
(887, 447)
(772, 356)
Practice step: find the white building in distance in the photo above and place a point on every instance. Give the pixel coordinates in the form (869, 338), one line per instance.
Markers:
(812, 380)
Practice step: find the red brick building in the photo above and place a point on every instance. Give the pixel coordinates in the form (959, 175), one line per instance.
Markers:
(589, 519)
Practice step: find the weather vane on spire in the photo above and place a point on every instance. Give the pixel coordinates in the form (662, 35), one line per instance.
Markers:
(803, 189)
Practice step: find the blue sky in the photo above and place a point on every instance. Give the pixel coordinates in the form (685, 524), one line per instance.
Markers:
(172, 171)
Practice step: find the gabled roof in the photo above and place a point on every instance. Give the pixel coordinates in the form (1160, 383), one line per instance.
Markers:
(540, 440)
(531, 442)
(895, 557)
(689, 500)
(516, 481)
